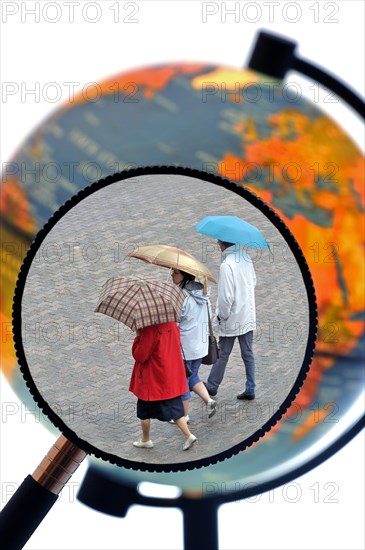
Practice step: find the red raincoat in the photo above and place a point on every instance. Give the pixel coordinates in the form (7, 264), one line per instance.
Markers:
(159, 371)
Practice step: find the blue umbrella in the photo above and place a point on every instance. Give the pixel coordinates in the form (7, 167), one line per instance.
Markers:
(233, 230)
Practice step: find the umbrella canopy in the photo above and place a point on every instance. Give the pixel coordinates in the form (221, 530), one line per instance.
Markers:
(172, 257)
(233, 230)
(139, 302)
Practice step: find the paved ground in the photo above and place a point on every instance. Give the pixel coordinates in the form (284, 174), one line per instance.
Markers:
(81, 361)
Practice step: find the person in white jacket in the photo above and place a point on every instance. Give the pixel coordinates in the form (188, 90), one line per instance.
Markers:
(235, 316)
(193, 325)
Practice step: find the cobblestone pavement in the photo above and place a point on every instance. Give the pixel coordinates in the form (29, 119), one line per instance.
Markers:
(81, 361)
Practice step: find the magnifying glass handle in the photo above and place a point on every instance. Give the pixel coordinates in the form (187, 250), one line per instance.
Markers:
(200, 524)
(23, 513)
(37, 494)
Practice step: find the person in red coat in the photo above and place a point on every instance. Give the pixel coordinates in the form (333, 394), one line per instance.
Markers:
(159, 379)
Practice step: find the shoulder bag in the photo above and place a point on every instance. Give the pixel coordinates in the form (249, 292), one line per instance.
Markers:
(213, 351)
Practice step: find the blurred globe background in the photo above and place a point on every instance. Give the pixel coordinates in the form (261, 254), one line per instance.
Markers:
(309, 36)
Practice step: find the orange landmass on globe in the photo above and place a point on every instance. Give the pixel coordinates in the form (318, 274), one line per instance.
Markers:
(147, 80)
(15, 205)
(355, 173)
(226, 79)
(8, 357)
(314, 418)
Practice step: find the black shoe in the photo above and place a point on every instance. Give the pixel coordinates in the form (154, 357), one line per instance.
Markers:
(244, 395)
(212, 393)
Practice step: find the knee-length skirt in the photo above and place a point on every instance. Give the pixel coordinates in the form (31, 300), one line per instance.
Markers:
(163, 410)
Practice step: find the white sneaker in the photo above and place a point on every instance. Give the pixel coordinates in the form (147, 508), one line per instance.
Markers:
(143, 444)
(189, 442)
(211, 408)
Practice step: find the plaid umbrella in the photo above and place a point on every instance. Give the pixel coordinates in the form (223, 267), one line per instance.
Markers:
(140, 302)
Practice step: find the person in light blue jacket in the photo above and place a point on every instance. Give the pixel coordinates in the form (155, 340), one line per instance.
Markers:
(193, 333)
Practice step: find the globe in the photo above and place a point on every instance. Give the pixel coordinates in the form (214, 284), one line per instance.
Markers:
(260, 133)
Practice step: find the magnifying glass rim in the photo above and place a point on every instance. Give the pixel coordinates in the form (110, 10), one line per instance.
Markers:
(225, 183)
(224, 497)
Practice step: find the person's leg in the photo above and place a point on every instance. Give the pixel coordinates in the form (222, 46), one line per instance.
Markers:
(245, 341)
(186, 407)
(186, 400)
(189, 437)
(145, 441)
(195, 384)
(193, 379)
(218, 369)
(182, 424)
(202, 391)
(146, 425)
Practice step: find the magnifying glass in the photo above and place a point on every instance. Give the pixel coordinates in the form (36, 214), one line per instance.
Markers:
(79, 383)
(318, 202)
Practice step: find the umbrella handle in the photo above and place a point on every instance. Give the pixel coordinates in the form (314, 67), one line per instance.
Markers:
(205, 290)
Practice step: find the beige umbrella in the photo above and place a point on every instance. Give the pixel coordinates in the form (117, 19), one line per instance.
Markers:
(139, 303)
(173, 258)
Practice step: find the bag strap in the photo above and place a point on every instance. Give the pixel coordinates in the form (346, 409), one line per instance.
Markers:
(182, 351)
(210, 324)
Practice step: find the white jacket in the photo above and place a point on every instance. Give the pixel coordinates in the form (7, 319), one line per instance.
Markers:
(194, 321)
(235, 311)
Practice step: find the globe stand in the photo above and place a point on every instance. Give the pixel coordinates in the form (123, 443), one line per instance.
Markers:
(275, 56)
(105, 494)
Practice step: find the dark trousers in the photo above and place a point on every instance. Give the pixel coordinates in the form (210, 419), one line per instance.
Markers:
(225, 348)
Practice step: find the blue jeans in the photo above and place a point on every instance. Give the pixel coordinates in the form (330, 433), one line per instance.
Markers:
(193, 379)
(225, 347)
